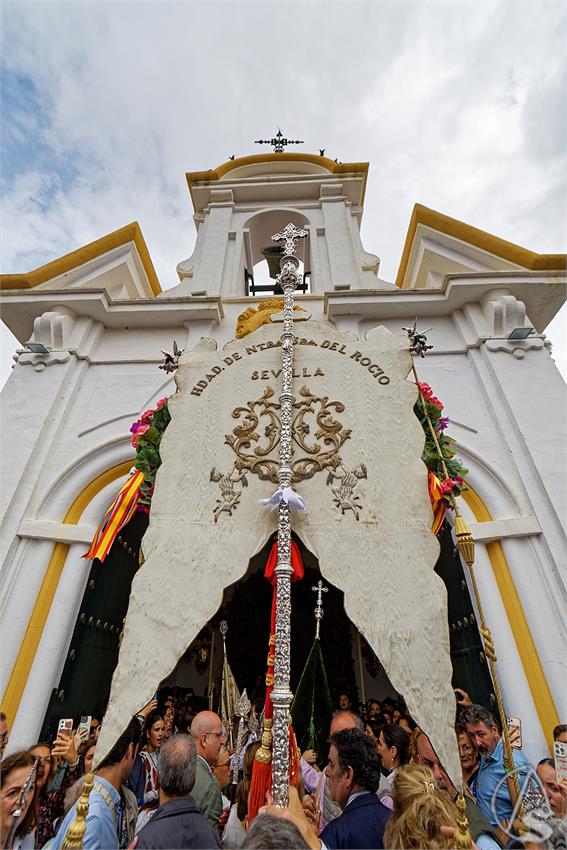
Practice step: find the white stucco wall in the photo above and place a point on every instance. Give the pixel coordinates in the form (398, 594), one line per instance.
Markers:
(65, 424)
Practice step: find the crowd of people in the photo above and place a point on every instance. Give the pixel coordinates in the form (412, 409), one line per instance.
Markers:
(173, 780)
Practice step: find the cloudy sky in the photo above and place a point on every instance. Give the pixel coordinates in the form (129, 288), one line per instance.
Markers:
(105, 105)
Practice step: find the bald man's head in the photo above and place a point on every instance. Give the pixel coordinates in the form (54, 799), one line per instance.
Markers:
(345, 720)
(207, 732)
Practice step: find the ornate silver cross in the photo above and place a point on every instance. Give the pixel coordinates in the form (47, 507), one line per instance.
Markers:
(319, 589)
(289, 234)
(242, 710)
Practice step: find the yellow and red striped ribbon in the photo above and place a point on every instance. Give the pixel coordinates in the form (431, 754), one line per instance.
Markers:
(438, 502)
(116, 517)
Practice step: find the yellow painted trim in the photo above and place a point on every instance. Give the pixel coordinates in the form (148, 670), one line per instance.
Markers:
(129, 233)
(47, 591)
(332, 166)
(479, 239)
(541, 694)
(477, 506)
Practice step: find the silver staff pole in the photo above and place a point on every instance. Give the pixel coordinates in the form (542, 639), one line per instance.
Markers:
(281, 693)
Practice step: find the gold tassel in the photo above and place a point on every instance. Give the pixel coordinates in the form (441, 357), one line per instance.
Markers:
(465, 540)
(462, 839)
(76, 831)
(264, 753)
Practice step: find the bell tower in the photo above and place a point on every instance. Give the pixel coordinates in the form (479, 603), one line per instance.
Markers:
(241, 203)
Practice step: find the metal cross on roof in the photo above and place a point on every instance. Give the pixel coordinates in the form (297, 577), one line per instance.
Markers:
(279, 142)
(289, 234)
(319, 589)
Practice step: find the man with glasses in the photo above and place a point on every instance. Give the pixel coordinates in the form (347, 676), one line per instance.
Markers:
(207, 732)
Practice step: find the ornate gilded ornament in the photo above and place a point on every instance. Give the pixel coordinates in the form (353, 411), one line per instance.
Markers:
(315, 430)
(253, 318)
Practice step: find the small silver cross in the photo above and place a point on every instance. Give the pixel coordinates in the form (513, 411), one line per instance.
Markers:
(288, 235)
(320, 589)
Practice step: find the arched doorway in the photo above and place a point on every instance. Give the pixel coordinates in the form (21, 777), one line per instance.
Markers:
(246, 608)
(85, 682)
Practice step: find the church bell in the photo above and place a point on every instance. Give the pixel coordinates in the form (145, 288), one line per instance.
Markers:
(273, 255)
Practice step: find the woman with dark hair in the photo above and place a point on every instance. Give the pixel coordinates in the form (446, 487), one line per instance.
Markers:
(143, 779)
(393, 749)
(14, 772)
(49, 801)
(469, 757)
(86, 754)
(407, 722)
(373, 728)
(168, 712)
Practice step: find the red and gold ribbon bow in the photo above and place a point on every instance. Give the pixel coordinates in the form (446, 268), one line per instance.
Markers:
(438, 502)
(117, 516)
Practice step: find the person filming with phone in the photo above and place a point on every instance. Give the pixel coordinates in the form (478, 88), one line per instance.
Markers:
(106, 821)
(491, 781)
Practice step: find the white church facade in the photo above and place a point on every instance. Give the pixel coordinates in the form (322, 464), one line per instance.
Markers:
(100, 322)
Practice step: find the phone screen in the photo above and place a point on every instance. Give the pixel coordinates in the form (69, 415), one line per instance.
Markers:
(65, 727)
(515, 731)
(84, 726)
(560, 758)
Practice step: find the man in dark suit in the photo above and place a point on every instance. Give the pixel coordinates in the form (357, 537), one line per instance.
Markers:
(177, 822)
(353, 775)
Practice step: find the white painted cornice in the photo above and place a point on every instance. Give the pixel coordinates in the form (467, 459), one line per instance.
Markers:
(542, 292)
(21, 307)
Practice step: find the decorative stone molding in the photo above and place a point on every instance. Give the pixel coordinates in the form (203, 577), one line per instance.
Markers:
(185, 268)
(517, 347)
(52, 329)
(222, 198)
(369, 262)
(504, 312)
(58, 532)
(23, 357)
(332, 191)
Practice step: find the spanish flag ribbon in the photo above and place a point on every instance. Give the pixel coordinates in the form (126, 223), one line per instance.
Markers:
(116, 517)
(438, 502)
